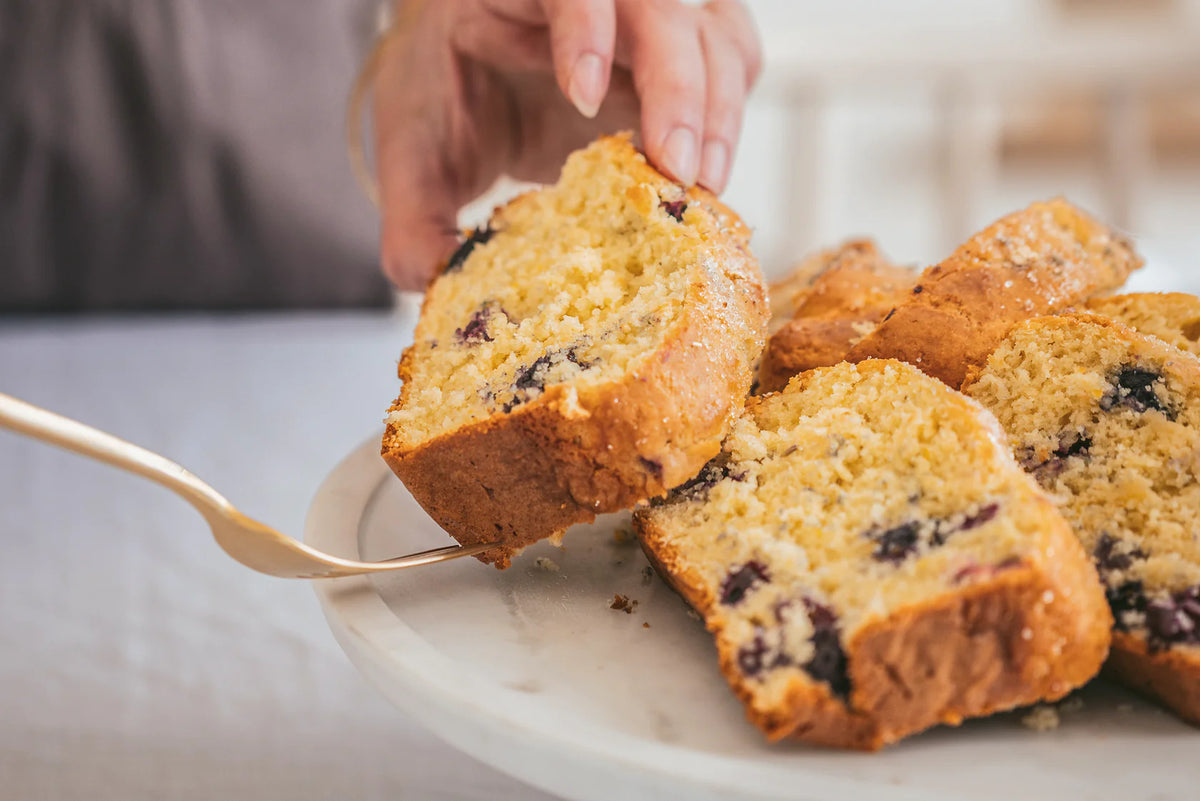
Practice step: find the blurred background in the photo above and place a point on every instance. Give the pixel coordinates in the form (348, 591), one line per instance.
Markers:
(189, 156)
(919, 122)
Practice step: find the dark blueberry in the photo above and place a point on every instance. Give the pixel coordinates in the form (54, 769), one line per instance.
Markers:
(475, 331)
(1174, 620)
(675, 208)
(741, 581)
(1070, 443)
(918, 289)
(531, 381)
(752, 658)
(652, 466)
(534, 375)
(1109, 559)
(1127, 597)
(828, 663)
(822, 616)
(1167, 621)
(896, 544)
(716, 470)
(1133, 388)
(477, 237)
(984, 515)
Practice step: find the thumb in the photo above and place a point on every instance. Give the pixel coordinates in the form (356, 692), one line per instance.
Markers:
(415, 242)
(416, 202)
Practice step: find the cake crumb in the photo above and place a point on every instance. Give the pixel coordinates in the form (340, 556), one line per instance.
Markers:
(645, 625)
(623, 603)
(1072, 704)
(647, 574)
(1041, 718)
(549, 565)
(623, 535)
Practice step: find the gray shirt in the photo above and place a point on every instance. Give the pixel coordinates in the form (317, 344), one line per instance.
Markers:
(159, 154)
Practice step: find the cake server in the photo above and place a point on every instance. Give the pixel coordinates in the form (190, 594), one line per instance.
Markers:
(250, 542)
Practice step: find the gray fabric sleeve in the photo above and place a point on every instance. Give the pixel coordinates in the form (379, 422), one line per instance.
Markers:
(159, 154)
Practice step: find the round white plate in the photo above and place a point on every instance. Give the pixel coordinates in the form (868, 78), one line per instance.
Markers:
(532, 672)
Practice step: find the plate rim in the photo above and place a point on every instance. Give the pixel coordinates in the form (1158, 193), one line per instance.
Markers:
(601, 761)
(483, 719)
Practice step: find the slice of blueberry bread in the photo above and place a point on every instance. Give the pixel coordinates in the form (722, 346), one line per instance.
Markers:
(833, 299)
(1173, 317)
(1042, 260)
(872, 562)
(852, 276)
(585, 350)
(1108, 421)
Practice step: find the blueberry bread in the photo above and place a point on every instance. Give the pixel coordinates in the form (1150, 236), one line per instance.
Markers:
(584, 351)
(1173, 317)
(854, 276)
(873, 562)
(1108, 421)
(832, 299)
(1042, 260)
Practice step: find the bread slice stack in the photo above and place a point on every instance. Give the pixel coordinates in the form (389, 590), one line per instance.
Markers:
(585, 350)
(862, 543)
(872, 562)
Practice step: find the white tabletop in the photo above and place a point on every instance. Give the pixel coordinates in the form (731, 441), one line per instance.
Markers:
(137, 661)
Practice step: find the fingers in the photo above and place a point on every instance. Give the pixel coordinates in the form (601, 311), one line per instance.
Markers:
(733, 20)
(669, 74)
(583, 34)
(416, 199)
(724, 104)
(733, 60)
(502, 42)
(419, 216)
(582, 38)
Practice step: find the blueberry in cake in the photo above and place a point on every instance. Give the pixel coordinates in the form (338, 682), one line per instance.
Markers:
(830, 301)
(1173, 317)
(872, 562)
(1108, 421)
(1042, 260)
(584, 350)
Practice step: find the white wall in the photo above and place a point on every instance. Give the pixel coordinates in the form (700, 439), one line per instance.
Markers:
(878, 171)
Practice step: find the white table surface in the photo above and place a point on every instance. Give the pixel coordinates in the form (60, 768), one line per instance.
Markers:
(137, 661)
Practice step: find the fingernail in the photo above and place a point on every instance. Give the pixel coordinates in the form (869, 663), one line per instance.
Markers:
(679, 155)
(586, 89)
(713, 165)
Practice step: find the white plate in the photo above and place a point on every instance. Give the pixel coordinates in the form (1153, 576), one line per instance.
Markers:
(530, 671)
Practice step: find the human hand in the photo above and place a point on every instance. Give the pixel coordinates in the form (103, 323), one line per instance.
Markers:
(479, 88)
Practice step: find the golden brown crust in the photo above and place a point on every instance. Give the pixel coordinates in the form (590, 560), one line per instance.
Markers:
(1170, 677)
(1039, 261)
(1031, 632)
(809, 282)
(575, 452)
(831, 301)
(807, 343)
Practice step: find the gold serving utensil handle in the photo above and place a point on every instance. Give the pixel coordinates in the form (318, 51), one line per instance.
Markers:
(253, 544)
